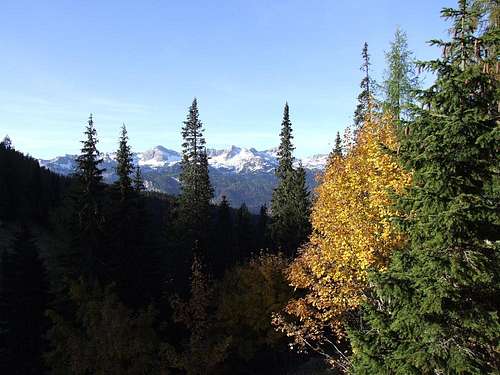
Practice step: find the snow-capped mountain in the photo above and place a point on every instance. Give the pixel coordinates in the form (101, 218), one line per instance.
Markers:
(242, 174)
(157, 157)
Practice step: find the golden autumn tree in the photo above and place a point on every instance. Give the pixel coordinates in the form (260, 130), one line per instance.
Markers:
(352, 233)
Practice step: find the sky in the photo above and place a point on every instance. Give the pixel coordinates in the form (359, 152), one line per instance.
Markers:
(142, 62)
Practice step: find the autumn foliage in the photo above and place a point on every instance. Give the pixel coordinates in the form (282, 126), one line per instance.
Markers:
(352, 232)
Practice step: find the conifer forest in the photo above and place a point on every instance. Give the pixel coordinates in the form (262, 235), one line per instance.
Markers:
(389, 265)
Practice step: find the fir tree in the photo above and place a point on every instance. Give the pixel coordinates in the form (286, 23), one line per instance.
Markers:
(131, 259)
(23, 300)
(285, 150)
(288, 205)
(365, 98)
(435, 310)
(124, 166)
(138, 181)
(196, 190)
(87, 209)
(88, 171)
(401, 79)
(338, 149)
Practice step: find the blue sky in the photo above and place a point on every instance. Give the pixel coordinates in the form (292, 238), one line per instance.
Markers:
(142, 62)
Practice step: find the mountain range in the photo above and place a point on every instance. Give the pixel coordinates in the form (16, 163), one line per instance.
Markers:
(243, 175)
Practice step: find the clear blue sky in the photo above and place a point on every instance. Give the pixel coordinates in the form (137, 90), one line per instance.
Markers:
(142, 62)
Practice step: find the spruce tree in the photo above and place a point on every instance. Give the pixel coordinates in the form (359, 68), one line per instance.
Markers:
(196, 190)
(435, 309)
(138, 181)
(289, 205)
(23, 301)
(132, 261)
(366, 99)
(88, 209)
(337, 149)
(401, 80)
(285, 150)
(124, 166)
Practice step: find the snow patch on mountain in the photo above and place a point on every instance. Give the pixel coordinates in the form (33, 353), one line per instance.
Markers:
(241, 159)
(233, 159)
(157, 157)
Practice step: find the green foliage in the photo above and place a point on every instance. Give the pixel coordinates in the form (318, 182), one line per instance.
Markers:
(133, 263)
(290, 205)
(196, 190)
(138, 181)
(285, 150)
(87, 209)
(124, 167)
(366, 97)
(435, 310)
(401, 80)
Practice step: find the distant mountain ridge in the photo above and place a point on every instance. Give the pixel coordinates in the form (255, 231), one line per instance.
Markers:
(242, 174)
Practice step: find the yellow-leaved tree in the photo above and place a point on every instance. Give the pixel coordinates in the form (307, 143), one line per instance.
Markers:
(352, 233)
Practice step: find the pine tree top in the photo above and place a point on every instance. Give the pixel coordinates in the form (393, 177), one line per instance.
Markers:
(124, 167)
(285, 150)
(88, 161)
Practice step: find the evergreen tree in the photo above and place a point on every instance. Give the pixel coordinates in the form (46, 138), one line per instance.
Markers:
(401, 80)
(89, 203)
(138, 181)
(81, 220)
(435, 309)
(366, 97)
(124, 166)
(338, 149)
(196, 190)
(290, 200)
(285, 150)
(302, 202)
(132, 260)
(23, 300)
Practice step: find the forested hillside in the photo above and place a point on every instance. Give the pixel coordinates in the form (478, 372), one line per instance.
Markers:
(390, 266)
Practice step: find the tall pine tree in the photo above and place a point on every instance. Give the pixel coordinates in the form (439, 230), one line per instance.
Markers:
(84, 256)
(196, 190)
(366, 100)
(435, 309)
(337, 149)
(124, 166)
(132, 261)
(290, 202)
